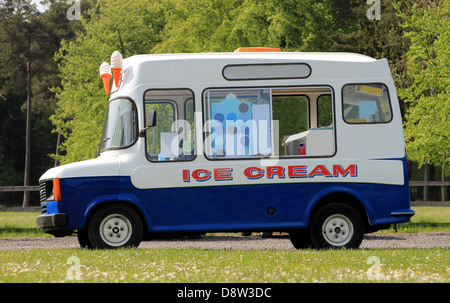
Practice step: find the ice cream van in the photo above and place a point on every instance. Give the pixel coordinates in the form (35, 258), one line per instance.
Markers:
(260, 140)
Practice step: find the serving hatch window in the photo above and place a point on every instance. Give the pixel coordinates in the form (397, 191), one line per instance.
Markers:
(366, 103)
(267, 122)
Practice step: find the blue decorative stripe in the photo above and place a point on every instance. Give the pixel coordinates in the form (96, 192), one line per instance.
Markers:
(225, 208)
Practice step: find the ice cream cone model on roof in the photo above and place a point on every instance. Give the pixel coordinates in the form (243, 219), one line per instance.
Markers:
(116, 65)
(105, 75)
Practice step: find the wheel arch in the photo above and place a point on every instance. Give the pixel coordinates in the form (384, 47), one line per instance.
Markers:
(94, 207)
(345, 197)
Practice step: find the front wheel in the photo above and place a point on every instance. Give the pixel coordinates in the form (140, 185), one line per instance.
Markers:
(114, 227)
(83, 238)
(337, 225)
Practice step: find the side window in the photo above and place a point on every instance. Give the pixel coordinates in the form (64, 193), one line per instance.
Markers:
(366, 103)
(172, 137)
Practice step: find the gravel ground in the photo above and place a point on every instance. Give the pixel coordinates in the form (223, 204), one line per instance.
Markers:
(237, 242)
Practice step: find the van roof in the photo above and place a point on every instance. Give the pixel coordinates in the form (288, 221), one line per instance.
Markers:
(180, 69)
(307, 56)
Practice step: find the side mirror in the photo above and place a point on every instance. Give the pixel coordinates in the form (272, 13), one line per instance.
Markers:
(151, 118)
(150, 122)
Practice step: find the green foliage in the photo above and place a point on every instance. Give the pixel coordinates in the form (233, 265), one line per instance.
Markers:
(427, 126)
(196, 26)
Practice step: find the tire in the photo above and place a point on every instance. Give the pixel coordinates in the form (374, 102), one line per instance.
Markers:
(266, 234)
(300, 239)
(83, 238)
(336, 226)
(113, 227)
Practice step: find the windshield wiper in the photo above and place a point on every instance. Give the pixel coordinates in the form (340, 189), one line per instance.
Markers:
(102, 143)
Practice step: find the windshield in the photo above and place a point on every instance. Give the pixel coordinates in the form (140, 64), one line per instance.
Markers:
(120, 126)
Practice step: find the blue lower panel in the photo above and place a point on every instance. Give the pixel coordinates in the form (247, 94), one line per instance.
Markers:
(226, 208)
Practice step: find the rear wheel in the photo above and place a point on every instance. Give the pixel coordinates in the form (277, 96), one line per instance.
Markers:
(114, 227)
(337, 225)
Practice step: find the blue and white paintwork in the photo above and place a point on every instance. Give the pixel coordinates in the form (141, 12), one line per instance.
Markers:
(224, 196)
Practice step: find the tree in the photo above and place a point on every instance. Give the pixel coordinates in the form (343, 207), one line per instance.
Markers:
(28, 38)
(224, 25)
(427, 126)
(17, 37)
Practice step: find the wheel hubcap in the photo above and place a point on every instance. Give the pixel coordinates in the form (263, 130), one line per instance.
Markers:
(115, 230)
(337, 230)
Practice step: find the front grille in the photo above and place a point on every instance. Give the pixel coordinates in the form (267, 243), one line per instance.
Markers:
(42, 192)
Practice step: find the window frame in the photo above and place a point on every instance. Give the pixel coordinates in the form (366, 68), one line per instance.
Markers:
(367, 123)
(176, 114)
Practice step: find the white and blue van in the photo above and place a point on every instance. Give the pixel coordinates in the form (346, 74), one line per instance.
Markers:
(306, 143)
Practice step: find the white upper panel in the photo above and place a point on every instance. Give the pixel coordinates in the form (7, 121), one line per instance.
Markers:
(198, 68)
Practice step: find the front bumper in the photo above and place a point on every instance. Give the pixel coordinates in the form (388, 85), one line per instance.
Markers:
(54, 224)
(52, 220)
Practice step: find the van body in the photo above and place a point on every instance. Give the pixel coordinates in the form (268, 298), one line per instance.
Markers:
(307, 143)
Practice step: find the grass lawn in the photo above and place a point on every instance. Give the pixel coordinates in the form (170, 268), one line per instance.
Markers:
(223, 266)
(428, 219)
(20, 224)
